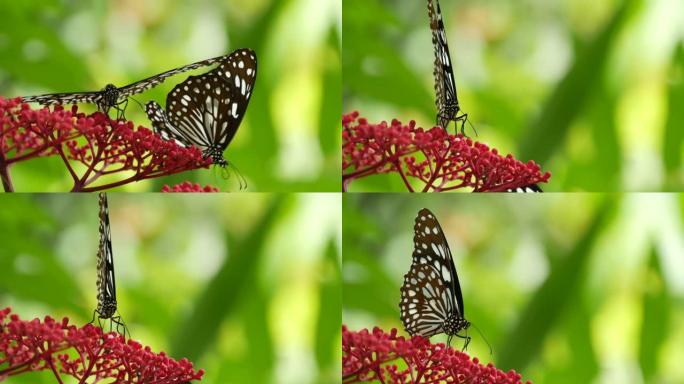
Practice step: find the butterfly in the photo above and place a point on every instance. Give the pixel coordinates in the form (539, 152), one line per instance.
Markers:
(446, 98)
(431, 299)
(106, 282)
(112, 97)
(532, 188)
(206, 110)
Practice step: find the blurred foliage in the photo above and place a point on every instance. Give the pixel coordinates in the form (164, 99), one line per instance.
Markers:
(287, 141)
(591, 91)
(571, 288)
(242, 285)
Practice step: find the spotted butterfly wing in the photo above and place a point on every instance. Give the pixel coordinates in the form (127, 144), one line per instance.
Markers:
(106, 282)
(431, 299)
(532, 188)
(151, 82)
(111, 96)
(65, 98)
(206, 110)
(446, 97)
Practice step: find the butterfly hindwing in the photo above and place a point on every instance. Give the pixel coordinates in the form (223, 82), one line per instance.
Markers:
(425, 301)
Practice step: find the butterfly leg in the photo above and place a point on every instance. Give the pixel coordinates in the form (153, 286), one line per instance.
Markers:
(120, 325)
(466, 338)
(120, 111)
(93, 320)
(442, 121)
(463, 118)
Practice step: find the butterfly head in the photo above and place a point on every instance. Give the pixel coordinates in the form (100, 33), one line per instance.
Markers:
(454, 324)
(107, 308)
(110, 95)
(216, 154)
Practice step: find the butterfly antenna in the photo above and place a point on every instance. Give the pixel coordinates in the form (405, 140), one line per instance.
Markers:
(483, 337)
(242, 180)
(139, 103)
(471, 126)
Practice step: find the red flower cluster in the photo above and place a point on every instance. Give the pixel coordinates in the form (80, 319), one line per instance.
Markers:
(104, 147)
(86, 354)
(370, 356)
(438, 160)
(187, 186)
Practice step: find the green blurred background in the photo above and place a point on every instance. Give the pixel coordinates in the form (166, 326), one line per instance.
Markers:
(592, 91)
(287, 141)
(573, 288)
(243, 285)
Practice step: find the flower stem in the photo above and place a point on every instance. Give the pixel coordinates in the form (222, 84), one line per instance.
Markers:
(5, 176)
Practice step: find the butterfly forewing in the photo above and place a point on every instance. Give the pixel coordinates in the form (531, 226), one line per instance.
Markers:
(106, 283)
(153, 81)
(431, 299)
(64, 98)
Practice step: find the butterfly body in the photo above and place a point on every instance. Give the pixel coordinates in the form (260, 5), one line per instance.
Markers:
(446, 97)
(206, 110)
(431, 298)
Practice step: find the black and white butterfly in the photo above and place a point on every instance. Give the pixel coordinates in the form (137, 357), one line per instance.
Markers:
(446, 99)
(532, 188)
(431, 299)
(112, 97)
(206, 110)
(106, 282)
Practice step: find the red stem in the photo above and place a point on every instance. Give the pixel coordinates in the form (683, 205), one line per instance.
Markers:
(5, 176)
(397, 164)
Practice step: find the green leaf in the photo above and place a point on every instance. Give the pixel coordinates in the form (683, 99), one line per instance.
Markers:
(674, 132)
(549, 131)
(233, 281)
(552, 298)
(373, 67)
(36, 54)
(655, 324)
(329, 316)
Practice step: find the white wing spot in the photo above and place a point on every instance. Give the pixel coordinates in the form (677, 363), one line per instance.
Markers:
(446, 275)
